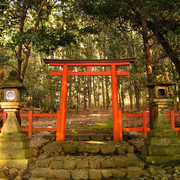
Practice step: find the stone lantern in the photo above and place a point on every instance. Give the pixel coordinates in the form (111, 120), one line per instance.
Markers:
(12, 88)
(14, 146)
(163, 143)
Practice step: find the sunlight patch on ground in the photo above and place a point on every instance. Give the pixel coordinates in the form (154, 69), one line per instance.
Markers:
(97, 115)
(96, 142)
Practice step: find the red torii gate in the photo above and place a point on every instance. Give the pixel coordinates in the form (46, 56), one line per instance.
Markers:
(61, 121)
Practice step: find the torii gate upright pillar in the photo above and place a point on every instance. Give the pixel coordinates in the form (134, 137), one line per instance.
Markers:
(60, 133)
(114, 103)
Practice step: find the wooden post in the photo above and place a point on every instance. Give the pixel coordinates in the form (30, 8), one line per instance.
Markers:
(145, 124)
(63, 102)
(172, 119)
(30, 124)
(120, 126)
(4, 117)
(114, 103)
(58, 124)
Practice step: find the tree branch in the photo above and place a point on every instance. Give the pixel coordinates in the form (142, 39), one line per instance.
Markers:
(167, 55)
(30, 44)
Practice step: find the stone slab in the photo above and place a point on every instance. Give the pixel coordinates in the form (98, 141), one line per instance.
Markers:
(43, 162)
(79, 174)
(69, 149)
(69, 164)
(88, 148)
(43, 173)
(14, 144)
(121, 150)
(82, 164)
(12, 137)
(83, 137)
(108, 149)
(53, 147)
(19, 163)
(162, 141)
(129, 160)
(95, 174)
(169, 133)
(106, 173)
(15, 154)
(95, 164)
(56, 164)
(71, 137)
(163, 159)
(163, 150)
(107, 163)
(62, 174)
(134, 172)
(119, 173)
(97, 137)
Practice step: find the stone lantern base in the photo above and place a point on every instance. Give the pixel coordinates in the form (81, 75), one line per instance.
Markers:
(14, 146)
(163, 143)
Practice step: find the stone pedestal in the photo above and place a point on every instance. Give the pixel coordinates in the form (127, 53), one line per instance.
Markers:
(163, 143)
(14, 146)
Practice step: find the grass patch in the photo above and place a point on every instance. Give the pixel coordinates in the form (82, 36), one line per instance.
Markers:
(106, 124)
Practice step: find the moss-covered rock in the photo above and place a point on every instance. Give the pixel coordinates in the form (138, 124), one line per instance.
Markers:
(134, 172)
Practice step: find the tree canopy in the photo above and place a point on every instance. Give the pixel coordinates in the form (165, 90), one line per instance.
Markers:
(88, 29)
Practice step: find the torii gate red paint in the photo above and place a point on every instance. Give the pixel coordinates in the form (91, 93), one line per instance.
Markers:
(61, 120)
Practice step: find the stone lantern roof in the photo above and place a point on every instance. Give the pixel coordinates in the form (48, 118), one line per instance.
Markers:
(12, 82)
(163, 83)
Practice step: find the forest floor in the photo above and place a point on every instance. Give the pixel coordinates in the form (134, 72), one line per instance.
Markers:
(84, 120)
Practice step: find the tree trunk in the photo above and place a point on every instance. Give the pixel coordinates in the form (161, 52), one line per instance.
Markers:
(98, 94)
(122, 97)
(107, 90)
(103, 94)
(94, 91)
(89, 92)
(70, 101)
(119, 94)
(21, 30)
(137, 95)
(149, 65)
(84, 95)
(77, 96)
(130, 96)
(48, 107)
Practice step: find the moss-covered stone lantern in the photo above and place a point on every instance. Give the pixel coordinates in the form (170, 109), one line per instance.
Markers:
(14, 145)
(12, 88)
(162, 145)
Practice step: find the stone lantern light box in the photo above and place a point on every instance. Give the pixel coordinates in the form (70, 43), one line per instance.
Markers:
(12, 87)
(160, 89)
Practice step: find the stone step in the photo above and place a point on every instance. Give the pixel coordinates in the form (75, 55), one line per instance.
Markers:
(80, 174)
(88, 135)
(88, 162)
(88, 147)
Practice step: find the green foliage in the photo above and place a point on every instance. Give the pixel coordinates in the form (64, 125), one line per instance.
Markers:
(85, 29)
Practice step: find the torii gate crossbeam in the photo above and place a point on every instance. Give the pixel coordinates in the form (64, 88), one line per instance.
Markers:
(61, 121)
